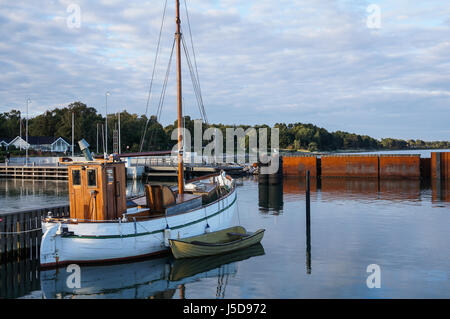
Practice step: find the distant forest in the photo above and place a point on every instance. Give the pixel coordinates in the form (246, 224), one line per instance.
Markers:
(293, 137)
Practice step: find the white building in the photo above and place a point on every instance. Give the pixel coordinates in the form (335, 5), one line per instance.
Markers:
(38, 143)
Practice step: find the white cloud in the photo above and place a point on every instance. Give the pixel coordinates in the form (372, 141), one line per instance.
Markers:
(260, 61)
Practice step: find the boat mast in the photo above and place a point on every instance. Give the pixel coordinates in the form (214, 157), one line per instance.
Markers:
(180, 111)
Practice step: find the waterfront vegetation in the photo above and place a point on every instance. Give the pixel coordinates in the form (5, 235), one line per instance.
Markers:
(292, 137)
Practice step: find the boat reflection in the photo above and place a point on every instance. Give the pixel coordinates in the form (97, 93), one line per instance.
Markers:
(152, 278)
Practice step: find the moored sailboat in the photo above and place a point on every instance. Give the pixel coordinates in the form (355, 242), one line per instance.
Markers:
(104, 227)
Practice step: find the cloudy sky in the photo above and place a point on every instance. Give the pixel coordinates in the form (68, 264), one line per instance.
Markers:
(380, 68)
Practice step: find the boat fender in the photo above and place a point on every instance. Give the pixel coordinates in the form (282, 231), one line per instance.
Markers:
(166, 236)
(59, 231)
(207, 229)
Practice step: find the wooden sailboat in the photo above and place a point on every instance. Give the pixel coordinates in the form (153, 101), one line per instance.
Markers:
(103, 228)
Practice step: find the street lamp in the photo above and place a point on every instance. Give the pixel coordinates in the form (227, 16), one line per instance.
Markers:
(106, 124)
(26, 134)
(118, 119)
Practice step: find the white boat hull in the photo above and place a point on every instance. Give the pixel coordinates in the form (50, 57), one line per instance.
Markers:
(118, 241)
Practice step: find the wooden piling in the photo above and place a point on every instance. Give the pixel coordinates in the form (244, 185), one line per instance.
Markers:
(308, 195)
(308, 224)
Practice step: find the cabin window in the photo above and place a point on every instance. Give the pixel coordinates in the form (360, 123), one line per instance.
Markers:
(110, 175)
(92, 177)
(76, 177)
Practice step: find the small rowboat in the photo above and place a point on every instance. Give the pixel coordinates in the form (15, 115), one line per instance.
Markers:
(214, 243)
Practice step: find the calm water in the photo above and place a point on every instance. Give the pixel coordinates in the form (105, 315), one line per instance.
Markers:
(18, 194)
(402, 226)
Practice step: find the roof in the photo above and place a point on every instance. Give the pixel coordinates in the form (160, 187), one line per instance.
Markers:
(39, 140)
(6, 139)
(35, 140)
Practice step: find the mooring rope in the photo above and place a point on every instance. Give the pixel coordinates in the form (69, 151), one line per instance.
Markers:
(20, 232)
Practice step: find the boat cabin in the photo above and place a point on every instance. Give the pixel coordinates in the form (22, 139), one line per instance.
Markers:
(97, 190)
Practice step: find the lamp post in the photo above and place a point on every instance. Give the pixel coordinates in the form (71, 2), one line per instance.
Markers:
(26, 134)
(106, 124)
(97, 138)
(118, 117)
(73, 137)
(20, 128)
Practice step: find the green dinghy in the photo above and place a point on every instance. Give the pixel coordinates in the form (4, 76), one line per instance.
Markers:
(214, 243)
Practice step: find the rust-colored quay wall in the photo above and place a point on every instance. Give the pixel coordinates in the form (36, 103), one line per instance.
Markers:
(298, 165)
(440, 165)
(350, 166)
(399, 166)
(370, 166)
(434, 162)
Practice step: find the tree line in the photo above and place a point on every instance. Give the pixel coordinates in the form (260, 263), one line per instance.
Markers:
(89, 125)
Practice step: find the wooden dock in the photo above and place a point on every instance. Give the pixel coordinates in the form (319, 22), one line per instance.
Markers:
(20, 232)
(190, 170)
(154, 170)
(34, 172)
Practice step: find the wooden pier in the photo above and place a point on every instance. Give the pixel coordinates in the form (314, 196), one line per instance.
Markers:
(34, 172)
(153, 170)
(20, 232)
(191, 171)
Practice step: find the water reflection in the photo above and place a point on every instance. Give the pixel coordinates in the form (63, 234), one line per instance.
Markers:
(270, 198)
(17, 194)
(440, 190)
(26, 194)
(152, 278)
(331, 189)
(19, 187)
(308, 242)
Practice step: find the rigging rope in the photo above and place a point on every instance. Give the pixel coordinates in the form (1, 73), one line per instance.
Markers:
(193, 74)
(195, 60)
(195, 83)
(163, 92)
(153, 74)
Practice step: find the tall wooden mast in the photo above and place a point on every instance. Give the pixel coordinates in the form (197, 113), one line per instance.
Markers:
(180, 110)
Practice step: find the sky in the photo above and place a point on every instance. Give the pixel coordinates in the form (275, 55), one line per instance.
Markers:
(377, 68)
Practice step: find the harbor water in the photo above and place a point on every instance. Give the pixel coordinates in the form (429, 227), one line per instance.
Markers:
(401, 226)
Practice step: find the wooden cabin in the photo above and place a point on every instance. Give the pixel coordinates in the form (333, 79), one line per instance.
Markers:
(97, 190)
